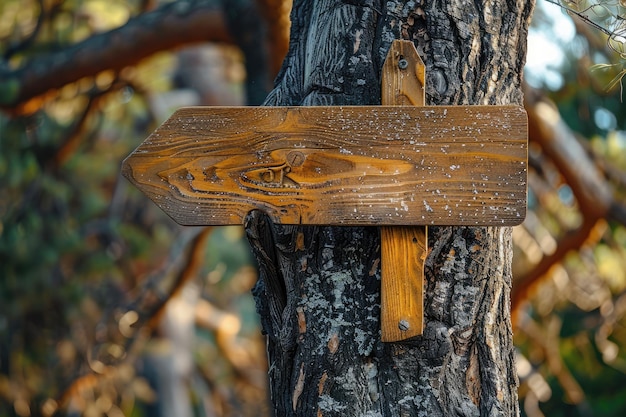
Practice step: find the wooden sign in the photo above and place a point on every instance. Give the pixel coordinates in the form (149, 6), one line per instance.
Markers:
(364, 165)
(400, 164)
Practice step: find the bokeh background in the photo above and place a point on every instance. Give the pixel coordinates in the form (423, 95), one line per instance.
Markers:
(107, 307)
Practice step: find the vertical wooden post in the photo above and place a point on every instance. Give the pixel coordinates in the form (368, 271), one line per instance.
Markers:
(403, 249)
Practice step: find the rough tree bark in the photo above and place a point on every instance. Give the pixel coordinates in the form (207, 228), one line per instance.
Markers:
(318, 292)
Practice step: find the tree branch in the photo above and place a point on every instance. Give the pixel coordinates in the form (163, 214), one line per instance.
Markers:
(547, 339)
(151, 311)
(568, 242)
(169, 26)
(594, 197)
(75, 134)
(559, 144)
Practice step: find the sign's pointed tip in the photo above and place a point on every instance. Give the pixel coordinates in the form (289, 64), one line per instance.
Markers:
(127, 168)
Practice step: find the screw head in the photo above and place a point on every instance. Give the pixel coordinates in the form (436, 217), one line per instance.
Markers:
(403, 63)
(403, 325)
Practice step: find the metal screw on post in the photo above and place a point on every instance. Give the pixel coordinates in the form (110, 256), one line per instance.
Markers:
(403, 63)
(404, 325)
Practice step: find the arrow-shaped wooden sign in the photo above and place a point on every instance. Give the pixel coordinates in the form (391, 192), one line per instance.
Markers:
(361, 165)
(354, 165)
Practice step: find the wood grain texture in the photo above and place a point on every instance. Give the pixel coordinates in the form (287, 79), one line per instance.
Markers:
(350, 165)
(404, 76)
(403, 252)
(402, 248)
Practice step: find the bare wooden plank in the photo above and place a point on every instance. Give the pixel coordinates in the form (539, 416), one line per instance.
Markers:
(403, 248)
(337, 165)
(403, 251)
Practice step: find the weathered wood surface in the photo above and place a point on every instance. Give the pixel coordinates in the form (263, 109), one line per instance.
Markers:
(402, 248)
(351, 165)
(403, 251)
(404, 76)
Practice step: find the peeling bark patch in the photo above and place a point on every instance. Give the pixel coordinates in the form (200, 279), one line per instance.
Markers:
(297, 390)
(322, 383)
(472, 377)
(374, 267)
(357, 40)
(301, 320)
(333, 343)
(300, 241)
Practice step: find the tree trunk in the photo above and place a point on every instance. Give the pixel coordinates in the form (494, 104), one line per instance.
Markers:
(319, 288)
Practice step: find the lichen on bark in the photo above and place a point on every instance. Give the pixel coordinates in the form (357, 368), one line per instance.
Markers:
(318, 292)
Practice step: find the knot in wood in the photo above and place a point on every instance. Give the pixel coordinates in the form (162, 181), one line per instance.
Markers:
(295, 158)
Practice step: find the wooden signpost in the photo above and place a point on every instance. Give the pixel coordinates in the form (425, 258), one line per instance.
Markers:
(391, 166)
(403, 248)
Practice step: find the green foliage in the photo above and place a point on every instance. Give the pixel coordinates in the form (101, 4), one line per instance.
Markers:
(78, 245)
(9, 89)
